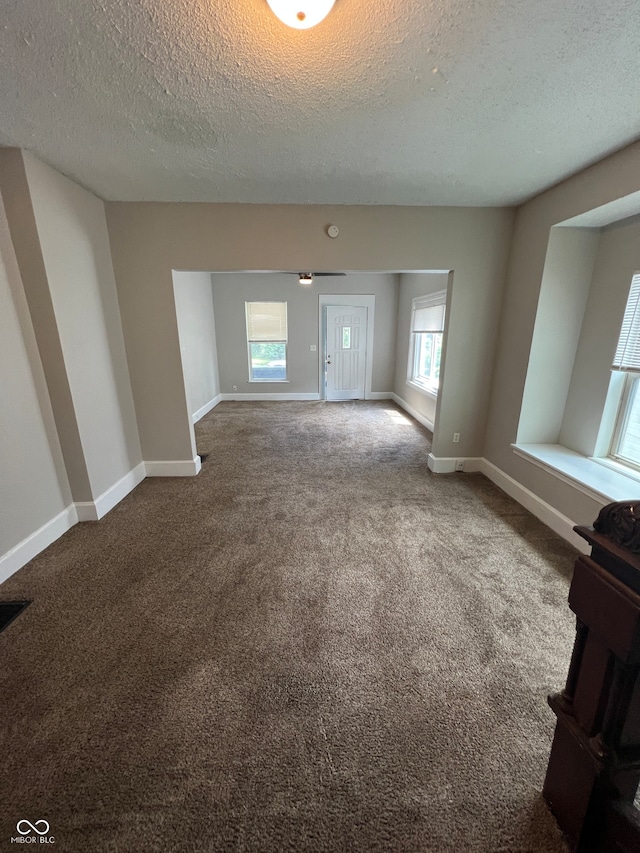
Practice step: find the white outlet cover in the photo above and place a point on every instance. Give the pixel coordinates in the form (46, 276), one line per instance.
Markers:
(333, 231)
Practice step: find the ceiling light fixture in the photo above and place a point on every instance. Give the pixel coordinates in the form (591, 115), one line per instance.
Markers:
(305, 278)
(301, 14)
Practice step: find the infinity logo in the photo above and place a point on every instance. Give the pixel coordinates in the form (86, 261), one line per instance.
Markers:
(32, 827)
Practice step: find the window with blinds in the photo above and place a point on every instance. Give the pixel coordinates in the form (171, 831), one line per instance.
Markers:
(267, 341)
(425, 345)
(627, 355)
(625, 446)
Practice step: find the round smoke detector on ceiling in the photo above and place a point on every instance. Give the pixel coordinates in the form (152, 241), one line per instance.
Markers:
(333, 231)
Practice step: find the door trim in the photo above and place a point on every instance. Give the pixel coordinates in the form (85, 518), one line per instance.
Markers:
(360, 300)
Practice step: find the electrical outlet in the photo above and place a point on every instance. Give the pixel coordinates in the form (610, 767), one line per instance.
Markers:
(313, 348)
(234, 387)
(456, 437)
(459, 464)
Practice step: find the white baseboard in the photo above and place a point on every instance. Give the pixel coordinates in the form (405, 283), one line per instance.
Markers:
(413, 412)
(238, 398)
(30, 547)
(447, 464)
(379, 395)
(204, 410)
(554, 519)
(94, 510)
(174, 468)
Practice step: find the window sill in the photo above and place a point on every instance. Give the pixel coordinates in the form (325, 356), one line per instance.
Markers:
(268, 381)
(428, 392)
(598, 479)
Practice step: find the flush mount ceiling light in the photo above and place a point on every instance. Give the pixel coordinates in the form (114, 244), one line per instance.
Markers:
(301, 14)
(305, 278)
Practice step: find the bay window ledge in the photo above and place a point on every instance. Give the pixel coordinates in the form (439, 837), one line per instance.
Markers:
(601, 480)
(424, 389)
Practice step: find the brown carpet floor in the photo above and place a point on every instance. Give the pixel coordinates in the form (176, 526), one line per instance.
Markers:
(314, 645)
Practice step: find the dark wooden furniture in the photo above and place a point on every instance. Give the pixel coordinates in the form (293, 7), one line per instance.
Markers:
(594, 767)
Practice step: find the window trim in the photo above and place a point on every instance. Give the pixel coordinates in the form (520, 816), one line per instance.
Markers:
(626, 361)
(622, 418)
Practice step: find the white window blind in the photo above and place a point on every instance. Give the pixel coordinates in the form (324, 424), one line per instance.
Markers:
(428, 313)
(627, 355)
(266, 321)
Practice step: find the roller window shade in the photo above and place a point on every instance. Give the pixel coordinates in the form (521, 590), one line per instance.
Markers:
(266, 321)
(428, 313)
(627, 355)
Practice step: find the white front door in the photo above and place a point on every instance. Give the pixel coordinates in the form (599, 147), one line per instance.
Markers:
(345, 351)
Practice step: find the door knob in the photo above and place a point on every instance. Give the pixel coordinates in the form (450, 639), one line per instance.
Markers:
(329, 359)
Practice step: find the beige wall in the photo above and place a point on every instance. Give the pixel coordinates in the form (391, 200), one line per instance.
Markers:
(603, 184)
(566, 280)
(196, 328)
(68, 317)
(230, 293)
(73, 239)
(411, 286)
(149, 240)
(33, 486)
(24, 236)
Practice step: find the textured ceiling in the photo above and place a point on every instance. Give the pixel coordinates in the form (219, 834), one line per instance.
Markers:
(462, 102)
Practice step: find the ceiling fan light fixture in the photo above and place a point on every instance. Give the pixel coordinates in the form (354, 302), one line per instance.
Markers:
(305, 278)
(301, 14)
